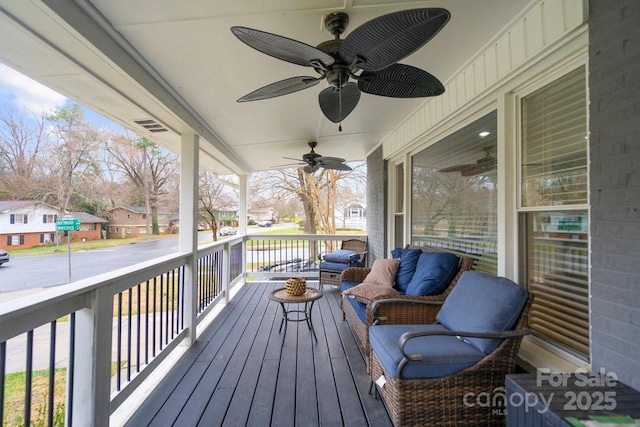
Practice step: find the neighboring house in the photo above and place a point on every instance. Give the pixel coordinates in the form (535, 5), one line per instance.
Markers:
(131, 221)
(228, 216)
(354, 216)
(28, 223)
(90, 227)
(267, 214)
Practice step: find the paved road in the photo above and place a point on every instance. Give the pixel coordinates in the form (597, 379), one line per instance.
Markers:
(27, 273)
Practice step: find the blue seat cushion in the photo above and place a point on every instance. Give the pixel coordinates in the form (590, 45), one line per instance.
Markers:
(343, 256)
(482, 303)
(434, 272)
(441, 355)
(359, 308)
(333, 266)
(347, 285)
(408, 260)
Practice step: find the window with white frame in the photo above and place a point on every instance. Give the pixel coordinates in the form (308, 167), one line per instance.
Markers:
(48, 218)
(554, 210)
(18, 219)
(15, 240)
(454, 193)
(47, 237)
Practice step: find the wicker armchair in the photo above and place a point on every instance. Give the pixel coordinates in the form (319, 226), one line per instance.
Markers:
(330, 271)
(448, 400)
(401, 310)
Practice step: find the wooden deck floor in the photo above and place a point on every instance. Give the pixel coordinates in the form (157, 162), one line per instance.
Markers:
(237, 374)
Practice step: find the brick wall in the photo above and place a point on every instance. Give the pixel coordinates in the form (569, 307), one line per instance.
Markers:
(376, 205)
(614, 85)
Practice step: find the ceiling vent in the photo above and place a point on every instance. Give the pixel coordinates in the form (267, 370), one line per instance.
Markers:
(151, 125)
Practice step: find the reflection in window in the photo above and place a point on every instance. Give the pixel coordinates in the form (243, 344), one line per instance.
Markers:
(554, 144)
(454, 196)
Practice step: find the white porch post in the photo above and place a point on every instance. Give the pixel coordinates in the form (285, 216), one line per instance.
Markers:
(242, 219)
(92, 364)
(188, 240)
(242, 208)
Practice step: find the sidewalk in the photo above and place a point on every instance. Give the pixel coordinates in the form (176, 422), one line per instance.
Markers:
(8, 296)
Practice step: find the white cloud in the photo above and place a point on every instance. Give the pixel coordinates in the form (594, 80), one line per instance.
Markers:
(22, 92)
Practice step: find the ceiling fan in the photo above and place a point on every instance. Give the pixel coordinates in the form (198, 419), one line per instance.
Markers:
(368, 55)
(315, 161)
(482, 165)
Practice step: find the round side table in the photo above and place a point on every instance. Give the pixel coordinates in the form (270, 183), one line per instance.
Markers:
(281, 296)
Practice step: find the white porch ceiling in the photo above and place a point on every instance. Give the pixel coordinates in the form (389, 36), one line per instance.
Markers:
(177, 62)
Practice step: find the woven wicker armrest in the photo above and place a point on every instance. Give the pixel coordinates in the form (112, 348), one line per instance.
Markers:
(403, 310)
(516, 333)
(354, 274)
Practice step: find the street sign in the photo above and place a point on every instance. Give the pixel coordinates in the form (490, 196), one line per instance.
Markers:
(68, 225)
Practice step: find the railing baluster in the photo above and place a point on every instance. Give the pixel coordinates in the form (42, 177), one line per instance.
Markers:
(119, 343)
(3, 370)
(166, 315)
(146, 323)
(71, 368)
(52, 374)
(160, 314)
(28, 382)
(139, 319)
(155, 315)
(129, 329)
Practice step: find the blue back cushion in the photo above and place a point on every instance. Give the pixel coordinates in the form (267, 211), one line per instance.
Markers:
(482, 303)
(434, 272)
(408, 260)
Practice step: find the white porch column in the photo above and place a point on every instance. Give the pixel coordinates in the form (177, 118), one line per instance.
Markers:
(188, 240)
(242, 217)
(242, 208)
(92, 364)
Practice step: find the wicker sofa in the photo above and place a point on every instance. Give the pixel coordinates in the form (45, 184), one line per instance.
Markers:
(401, 309)
(433, 373)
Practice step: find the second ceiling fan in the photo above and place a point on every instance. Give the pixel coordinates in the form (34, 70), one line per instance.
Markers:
(315, 161)
(368, 55)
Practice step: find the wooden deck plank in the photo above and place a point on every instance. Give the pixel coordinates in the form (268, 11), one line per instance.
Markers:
(239, 373)
(216, 361)
(163, 393)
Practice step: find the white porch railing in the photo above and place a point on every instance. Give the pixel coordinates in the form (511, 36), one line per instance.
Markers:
(84, 348)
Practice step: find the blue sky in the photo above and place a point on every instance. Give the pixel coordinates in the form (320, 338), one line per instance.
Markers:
(21, 92)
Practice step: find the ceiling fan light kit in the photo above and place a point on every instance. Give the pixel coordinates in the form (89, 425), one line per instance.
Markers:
(368, 55)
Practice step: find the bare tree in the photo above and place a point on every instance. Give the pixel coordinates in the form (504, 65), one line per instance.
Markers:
(149, 168)
(214, 194)
(72, 162)
(318, 193)
(22, 139)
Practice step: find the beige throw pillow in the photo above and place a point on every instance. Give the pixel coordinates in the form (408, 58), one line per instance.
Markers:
(368, 292)
(383, 272)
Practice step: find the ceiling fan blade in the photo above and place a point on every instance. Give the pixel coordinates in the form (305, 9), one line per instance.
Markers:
(288, 165)
(283, 87)
(326, 159)
(336, 166)
(338, 104)
(283, 48)
(386, 40)
(459, 168)
(400, 81)
(291, 158)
